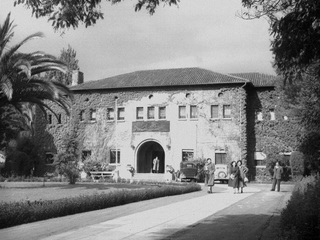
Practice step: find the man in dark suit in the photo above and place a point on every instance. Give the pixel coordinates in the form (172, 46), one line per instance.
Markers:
(277, 171)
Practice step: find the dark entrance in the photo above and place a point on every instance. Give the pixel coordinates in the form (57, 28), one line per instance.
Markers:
(146, 153)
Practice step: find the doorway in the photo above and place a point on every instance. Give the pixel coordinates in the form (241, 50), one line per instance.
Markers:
(146, 153)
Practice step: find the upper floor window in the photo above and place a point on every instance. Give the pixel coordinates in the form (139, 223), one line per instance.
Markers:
(49, 157)
(49, 118)
(182, 112)
(259, 116)
(193, 111)
(110, 114)
(139, 112)
(226, 111)
(150, 112)
(272, 114)
(121, 113)
(81, 115)
(93, 115)
(114, 156)
(162, 113)
(59, 118)
(221, 158)
(214, 111)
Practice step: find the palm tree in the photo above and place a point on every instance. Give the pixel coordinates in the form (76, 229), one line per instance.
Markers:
(21, 84)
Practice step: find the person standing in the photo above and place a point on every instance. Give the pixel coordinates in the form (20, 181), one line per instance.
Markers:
(240, 176)
(155, 168)
(209, 174)
(277, 171)
(232, 173)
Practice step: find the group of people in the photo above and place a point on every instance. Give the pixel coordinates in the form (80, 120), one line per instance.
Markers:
(237, 173)
(238, 176)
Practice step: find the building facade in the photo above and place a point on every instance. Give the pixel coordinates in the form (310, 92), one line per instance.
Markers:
(173, 114)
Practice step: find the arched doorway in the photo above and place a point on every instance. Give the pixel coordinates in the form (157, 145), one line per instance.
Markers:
(146, 153)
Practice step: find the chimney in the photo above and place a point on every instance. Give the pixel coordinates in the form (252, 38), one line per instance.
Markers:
(77, 77)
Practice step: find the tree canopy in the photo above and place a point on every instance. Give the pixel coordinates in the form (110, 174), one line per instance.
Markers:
(295, 28)
(66, 14)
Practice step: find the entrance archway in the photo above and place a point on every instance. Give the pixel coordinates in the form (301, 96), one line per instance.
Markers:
(146, 153)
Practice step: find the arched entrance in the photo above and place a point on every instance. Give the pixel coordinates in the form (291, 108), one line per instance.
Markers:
(146, 153)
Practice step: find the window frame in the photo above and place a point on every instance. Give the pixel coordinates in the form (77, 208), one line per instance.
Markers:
(224, 111)
(113, 152)
(149, 117)
(185, 112)
(188, 152)
(211, 112)
(196, 111)
(119, 110)
(109, 117)
(137, 113)
(165, 113)
(93, 115)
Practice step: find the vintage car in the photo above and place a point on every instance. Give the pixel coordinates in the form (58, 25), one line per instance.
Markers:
(221, 173)
(188, 171)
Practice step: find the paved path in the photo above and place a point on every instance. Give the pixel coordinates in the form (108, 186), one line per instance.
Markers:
(221, 215)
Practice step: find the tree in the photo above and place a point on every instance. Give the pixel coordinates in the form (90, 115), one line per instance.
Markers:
(65, 14)
(295, 27)
(68, 57)
(21, 84)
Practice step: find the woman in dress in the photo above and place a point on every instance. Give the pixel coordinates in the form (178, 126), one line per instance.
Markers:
(232, 172)
(209, 175)
(240, 176)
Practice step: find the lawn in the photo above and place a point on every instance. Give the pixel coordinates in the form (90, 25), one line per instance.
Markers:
(17, 191)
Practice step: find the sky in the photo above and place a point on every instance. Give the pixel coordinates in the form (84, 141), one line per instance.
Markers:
(202, 33)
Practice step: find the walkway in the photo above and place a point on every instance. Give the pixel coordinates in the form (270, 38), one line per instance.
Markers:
(190, 216)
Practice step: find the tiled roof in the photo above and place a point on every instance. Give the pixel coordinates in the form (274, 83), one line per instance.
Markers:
(162, 78)
(258, 79)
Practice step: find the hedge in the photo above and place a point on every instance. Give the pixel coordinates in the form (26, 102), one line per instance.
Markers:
(301, 218)
(16, 213)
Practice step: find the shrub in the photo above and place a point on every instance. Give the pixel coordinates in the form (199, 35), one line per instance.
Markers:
(68, 166)
(301, 218)
(16, 213)
(297, 164)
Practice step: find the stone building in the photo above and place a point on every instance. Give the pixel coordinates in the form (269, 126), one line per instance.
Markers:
(175, 114)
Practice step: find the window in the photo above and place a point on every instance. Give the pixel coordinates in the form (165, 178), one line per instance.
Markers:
(259, 116)
(162, 112)
(272, 115)
(59, 118)
(85, 154)
(110, 114)
(187, 155)
(226, 111)
(114, 159)
(214, 111)
(221, 158)
(182, 112)
(81, 115)
(49, 118)
(121, 113)
(193, 111)
(93, 115)
(150, 112)
(139, 112)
